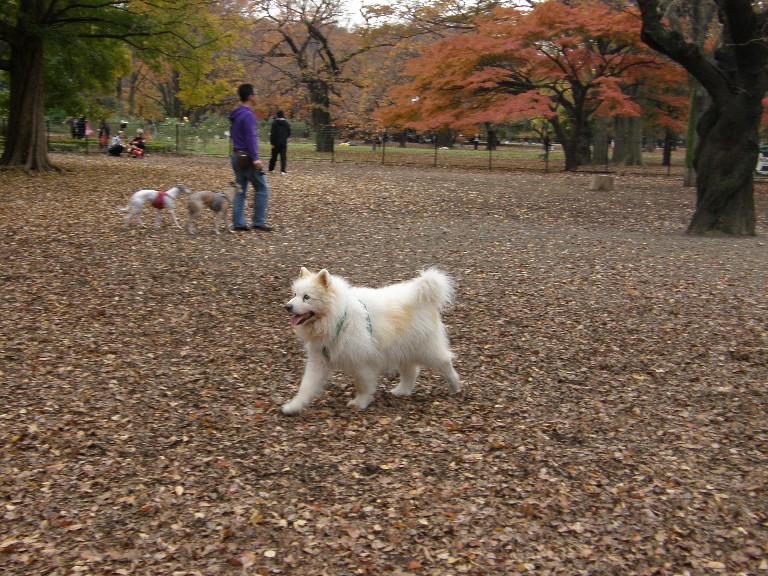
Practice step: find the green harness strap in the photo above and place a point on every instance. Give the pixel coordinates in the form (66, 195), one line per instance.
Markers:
(340, 325)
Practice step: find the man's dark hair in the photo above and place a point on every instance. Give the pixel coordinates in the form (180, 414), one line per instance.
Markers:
(245, 91)
(280, 114)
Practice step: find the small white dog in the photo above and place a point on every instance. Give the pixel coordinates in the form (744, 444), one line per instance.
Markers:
(159, 198)
(367, 331)
(218, 202)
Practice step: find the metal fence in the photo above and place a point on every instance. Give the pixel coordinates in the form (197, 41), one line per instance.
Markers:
(518, 155)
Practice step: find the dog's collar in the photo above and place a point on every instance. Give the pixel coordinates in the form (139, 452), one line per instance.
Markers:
(340, 325)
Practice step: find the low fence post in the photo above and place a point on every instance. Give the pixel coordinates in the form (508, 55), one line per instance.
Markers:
(384, 147)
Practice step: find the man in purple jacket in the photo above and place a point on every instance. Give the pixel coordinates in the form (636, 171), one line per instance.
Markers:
(245, 140)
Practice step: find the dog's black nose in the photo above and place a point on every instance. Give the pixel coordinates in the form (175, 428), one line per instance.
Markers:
(289, 307)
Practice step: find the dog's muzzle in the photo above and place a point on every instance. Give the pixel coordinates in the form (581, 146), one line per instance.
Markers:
(298, 319)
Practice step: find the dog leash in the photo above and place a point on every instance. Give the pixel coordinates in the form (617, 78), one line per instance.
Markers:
(340, 325)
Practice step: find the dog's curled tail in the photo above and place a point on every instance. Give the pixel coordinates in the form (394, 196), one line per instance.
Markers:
(436, 288)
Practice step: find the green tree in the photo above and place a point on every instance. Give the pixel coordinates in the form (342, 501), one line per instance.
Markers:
(35, 33)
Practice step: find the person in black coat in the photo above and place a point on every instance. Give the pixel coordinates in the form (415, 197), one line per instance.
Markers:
(279, 133)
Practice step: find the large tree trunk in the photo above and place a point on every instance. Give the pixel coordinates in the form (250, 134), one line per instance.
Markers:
(737, 80)
(699, 102)
(570, 144)
(724, 163)
(700, 15)
(26, 118)
(628, 150)
(321, 116)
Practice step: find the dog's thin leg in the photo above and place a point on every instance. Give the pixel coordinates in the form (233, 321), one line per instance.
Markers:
(175, 220)
(365, 386)
(158, 219)
(315, 376)
(408, 375)
(445, 367)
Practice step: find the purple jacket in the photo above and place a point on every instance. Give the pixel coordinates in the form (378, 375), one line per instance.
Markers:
(243, 131)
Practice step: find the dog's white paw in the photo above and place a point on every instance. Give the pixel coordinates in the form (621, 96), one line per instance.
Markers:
(401, 391)
(359, 403)
(291, 408)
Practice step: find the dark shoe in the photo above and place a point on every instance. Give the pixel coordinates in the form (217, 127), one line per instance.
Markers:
(241, 229)
(263, 228)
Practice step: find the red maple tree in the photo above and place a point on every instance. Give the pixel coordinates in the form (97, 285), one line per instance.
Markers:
(564, 63)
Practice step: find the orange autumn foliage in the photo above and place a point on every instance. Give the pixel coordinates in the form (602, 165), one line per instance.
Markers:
(554, 61)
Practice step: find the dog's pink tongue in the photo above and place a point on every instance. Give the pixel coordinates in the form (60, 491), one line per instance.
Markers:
(296, 320)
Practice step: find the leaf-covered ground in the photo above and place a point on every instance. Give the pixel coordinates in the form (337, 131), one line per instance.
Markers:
(614, 419)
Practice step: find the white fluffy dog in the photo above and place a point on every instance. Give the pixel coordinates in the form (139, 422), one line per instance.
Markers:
(159, 199)
(364, 332)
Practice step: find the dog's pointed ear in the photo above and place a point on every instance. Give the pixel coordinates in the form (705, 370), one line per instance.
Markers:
(324, 278)
(303, 273)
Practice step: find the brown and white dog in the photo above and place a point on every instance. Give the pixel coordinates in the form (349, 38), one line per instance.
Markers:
(159, 199)
(219, 202)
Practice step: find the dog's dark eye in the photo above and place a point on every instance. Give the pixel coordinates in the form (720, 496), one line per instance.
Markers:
(306, 297)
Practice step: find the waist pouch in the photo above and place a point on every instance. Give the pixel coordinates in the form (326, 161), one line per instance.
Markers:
(243, 160)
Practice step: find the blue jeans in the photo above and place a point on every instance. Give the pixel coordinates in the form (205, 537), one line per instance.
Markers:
(259, 182)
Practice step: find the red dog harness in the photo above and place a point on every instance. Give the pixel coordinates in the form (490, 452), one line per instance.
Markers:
(158, 203)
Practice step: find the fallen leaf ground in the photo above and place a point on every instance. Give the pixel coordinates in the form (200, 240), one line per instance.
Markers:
(614, 419)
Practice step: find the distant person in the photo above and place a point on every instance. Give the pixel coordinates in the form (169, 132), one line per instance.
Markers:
(137, 144)
(103, 134)
(246, 164)
(81, 125)
(279, 133)
(117, 146)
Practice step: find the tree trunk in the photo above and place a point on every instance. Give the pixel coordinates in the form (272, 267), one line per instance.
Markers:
(736, 79)
(321, 116)
(569, 144)
(699, 101)
(26, 118)
(629, 139)
(600, 145)
(724, 162)
(445, 139)
(669, 140)
(585, 145)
